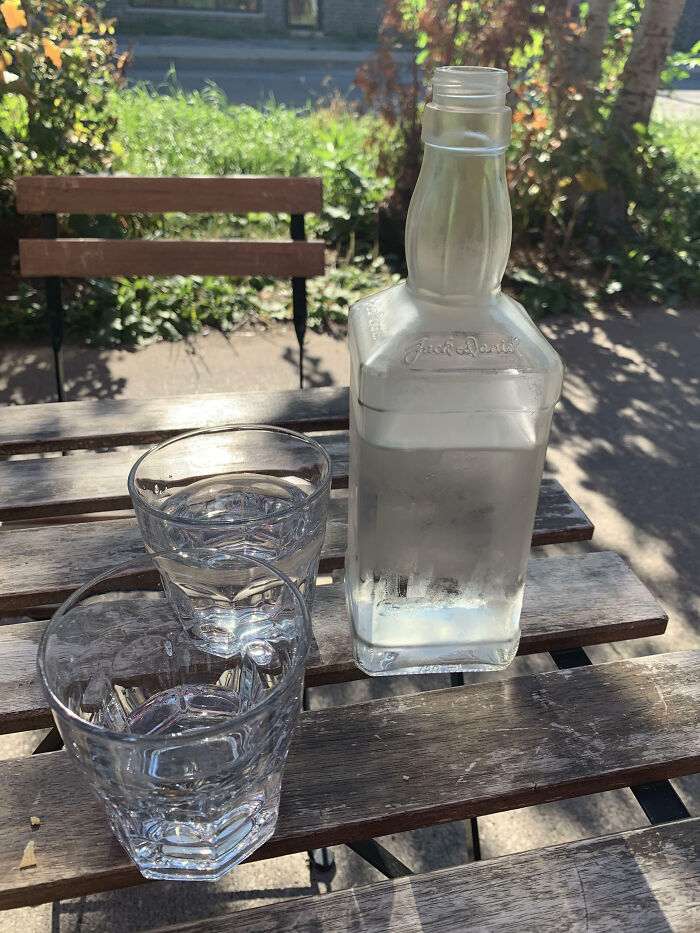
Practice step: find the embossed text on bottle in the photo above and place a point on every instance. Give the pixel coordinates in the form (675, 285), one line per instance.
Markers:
(440, 351)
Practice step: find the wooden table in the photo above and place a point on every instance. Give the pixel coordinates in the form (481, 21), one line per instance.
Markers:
(451, 753)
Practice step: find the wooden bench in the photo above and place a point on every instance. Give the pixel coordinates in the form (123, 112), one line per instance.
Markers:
(53, 258)
(450, 753)
(645, 881)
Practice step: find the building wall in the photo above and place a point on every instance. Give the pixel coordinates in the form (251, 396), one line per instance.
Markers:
(351, 17)
(688, 32)
(341, 18)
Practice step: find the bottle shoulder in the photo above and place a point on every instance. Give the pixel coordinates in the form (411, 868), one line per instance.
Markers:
(394, 331)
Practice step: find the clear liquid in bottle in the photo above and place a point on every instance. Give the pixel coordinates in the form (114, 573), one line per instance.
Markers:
(452, 394)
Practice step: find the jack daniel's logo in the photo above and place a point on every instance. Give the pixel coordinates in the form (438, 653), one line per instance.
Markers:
(460, 346)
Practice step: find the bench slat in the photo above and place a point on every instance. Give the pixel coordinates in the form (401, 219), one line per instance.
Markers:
(55, 486)
(85, 257)
(353, 771)
(190, 194)
(88, 482)
(645, 880)
(569, 601)
(50, 562)
(113, 422)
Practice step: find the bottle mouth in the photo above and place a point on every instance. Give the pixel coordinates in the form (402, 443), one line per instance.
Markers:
(469, 87)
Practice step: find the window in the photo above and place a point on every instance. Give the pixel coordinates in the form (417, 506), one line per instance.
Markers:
(303, 13)
(232, 6)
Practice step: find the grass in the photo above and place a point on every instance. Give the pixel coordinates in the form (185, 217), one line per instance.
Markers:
(682, 137)
(200, 133)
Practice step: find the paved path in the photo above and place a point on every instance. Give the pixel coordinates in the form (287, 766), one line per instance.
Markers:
(292, 71)
(626, 444)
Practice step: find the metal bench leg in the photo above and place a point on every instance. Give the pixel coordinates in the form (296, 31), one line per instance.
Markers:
(322, 861)
(52, 742)
(476, 843)
(380, 858)
(54, 306)
(299, 310)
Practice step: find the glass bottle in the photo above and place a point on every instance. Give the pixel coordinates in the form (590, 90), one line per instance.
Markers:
(451, 401)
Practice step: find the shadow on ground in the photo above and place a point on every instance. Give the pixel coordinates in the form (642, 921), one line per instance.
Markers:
(626, 445)
(27, 374)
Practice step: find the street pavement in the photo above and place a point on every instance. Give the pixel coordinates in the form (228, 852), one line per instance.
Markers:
(295, 72)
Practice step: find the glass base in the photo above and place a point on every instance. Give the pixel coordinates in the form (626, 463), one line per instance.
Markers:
(378, 661)
(175, 850)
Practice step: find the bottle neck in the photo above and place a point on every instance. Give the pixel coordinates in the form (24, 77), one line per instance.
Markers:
(458, 229)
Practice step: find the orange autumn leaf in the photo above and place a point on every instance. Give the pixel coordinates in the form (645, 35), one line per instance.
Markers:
(13, 14)
(52, 52)
(539, 120)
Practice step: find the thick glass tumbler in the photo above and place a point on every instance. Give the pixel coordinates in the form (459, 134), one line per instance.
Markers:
(184, 748)
(260, 489)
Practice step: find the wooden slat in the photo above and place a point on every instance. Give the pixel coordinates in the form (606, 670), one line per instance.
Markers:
(644, 881)
(559, 519)
(50, 562)
(113, 422)
(189, 194)
(88, 258)
(89, 482)
(63, 486)
(353, 772)
(570, 601)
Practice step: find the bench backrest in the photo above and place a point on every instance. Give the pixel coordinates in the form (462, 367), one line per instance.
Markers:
(81, 257)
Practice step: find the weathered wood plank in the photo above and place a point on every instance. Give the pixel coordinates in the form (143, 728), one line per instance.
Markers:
(63, 486)
(85, 257)
(354, 772)
(96, 482)
(50, 562)
(189, 194)
(644, 881)
(571, 601)
(114, 422)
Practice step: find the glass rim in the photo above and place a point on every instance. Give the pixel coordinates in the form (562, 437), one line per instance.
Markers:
(135, 494)
(204, 731)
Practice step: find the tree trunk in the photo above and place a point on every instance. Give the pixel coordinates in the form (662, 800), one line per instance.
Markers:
(587, 63)
(640, 77)
(559, 17)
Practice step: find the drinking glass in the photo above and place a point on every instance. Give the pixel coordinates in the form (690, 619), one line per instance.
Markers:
(260, 489)
(185, 748)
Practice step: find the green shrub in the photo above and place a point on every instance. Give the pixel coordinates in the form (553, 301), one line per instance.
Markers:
(56, 67)
(202, 134)
(590, 205)
(181, 134)
(136, 312)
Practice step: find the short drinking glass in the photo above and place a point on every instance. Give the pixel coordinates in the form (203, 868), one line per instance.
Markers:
(184, 748)
(260, 489)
